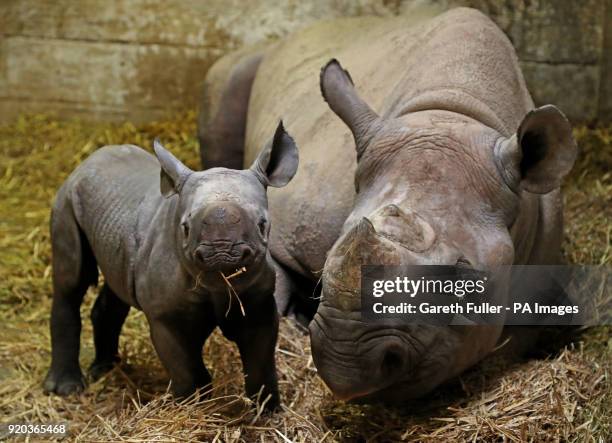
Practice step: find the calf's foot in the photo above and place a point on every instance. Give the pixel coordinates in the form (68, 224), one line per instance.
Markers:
(100, 368)
(64, 382)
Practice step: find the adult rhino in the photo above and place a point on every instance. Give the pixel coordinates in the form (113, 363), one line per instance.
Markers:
(438, 157)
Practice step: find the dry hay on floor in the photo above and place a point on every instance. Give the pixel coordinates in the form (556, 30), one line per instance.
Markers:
(563, 394)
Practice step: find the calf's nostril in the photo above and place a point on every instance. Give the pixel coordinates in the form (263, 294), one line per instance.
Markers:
(246, 253)
(199, 255)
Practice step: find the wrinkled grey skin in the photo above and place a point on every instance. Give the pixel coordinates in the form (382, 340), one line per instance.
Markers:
(435, 155)
(162, 242)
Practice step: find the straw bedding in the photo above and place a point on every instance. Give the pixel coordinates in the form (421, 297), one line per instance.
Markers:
(560, 393)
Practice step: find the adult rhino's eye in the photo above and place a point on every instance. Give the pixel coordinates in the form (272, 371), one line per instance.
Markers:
(391, 211)
(262, 226)
(463, 262)
(185, 229)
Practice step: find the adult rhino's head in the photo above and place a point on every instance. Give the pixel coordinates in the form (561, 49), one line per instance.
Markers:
(221, 221)
(433, 188)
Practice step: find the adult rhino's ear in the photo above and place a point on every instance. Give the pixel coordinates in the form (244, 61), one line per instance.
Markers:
(340, 94)
(278, 161)
(540, 154)
(173, 172)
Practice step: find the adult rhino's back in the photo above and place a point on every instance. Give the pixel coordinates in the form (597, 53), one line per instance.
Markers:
(458, 61)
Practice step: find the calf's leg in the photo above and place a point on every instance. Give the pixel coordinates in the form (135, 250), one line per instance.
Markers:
(107, 317)
(179, 343)
(74, 269)
(256, 336)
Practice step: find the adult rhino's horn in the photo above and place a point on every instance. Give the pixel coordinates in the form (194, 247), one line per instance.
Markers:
(339, 92)
(360, 246)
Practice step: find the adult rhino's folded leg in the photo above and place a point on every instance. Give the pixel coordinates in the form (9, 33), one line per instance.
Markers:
(296, 297)
(283, 288)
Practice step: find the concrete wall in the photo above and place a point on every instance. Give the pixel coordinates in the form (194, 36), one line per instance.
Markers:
(138, 59)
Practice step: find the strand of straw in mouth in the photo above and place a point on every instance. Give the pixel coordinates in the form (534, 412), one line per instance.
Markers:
(197, 282)
(231, 290)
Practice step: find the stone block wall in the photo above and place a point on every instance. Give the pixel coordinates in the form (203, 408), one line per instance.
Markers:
(139, 59)
(561, 47)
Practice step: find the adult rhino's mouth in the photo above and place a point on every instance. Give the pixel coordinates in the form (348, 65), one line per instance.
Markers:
(389, 366)
(357, 360)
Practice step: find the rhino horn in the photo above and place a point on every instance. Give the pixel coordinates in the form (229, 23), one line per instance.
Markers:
(359, 247)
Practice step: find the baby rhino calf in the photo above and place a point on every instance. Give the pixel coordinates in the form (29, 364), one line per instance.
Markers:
(174, 255)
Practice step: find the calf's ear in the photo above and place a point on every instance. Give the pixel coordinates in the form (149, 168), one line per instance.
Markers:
(173, 173)
(278, 161)
(540, 154)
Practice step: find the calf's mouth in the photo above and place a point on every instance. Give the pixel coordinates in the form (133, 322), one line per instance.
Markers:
(224, 255)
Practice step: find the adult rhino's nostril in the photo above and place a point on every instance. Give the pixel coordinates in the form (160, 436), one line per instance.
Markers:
(392, 363)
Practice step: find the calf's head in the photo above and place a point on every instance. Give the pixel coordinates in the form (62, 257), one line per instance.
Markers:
(221, 218)
(433, 188)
